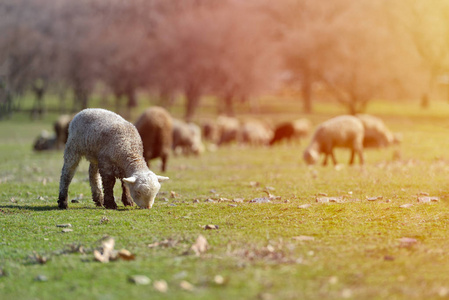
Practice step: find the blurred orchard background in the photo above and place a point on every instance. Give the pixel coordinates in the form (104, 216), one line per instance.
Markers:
(227, 51)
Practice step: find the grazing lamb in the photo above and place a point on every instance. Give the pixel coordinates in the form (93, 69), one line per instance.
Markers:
(114, 149)
(228, 129)
(343, 131)
(291, 130)
(377, 135)
(186, 138)
(255, 133)
(45, 142)
(61, 127)
(155, 127)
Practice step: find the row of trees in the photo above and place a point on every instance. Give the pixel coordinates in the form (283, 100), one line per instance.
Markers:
(353, 50)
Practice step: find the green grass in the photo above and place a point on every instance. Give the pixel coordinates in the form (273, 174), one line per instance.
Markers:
(355, 254)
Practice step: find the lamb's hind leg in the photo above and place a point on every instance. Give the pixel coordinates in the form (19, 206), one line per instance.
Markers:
(108, 188)
(351, 161)
(71, 161)
(126, 197)
(95, 184)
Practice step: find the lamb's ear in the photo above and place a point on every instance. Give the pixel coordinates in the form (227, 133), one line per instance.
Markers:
(162, 178)
(131, 179)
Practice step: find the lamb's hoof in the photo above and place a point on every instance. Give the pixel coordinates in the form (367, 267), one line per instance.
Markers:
(62, 205)
(98, 204)
(127, 202)
(110, 205)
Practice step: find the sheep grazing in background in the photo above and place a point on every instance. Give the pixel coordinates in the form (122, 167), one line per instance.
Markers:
(45, 141)
(61, 127)
(114, 149)
(377, 135)
(343, 131)
(186, 138)
(227, 129)
(294, 130)
(155, 127)
(255, 133)
(210, 131)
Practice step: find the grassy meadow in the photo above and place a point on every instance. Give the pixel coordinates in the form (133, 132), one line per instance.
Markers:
(290, 248)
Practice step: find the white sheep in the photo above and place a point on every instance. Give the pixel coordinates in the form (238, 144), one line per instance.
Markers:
(377, 135)
(228, 129)
(114, 149)
(187, 138)
(343, 131)
(256, 133)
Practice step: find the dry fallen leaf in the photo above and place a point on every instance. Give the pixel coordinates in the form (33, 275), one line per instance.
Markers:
(140, 279)
(173, 194)
(41, 278)
(329, 199)
(187, 286)
(126, 255)
(160, 286)
(38, 258)
(303, 238)
(304, 206)
(260, 200)
(200, 246)
(154, 245)
(107, 249)
(374, 198)
(64, 225)
(407, 242)
(254, 184)
(100, 257)
(211, 226)
(218, 279)
(408, 205)
(428, 199)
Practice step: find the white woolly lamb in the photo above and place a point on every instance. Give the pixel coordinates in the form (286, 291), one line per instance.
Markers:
(114, 149)
(343, 131)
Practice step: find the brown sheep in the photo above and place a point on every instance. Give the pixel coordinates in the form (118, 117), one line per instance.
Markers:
(155, 127)
(291, 130)
(61, 127)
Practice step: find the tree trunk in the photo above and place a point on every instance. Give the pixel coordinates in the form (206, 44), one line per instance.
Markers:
(132, 102)
(192, 101)
(228, 106)
(306, 91)
(39, 106)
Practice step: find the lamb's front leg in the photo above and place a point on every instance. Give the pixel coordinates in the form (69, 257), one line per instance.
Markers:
(126, 196)
(71, 161)
(108, 188)
(95, 184)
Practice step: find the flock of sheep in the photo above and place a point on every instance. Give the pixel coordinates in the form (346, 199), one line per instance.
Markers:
(116, 148)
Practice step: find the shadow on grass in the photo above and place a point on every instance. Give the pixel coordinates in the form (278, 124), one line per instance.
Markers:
(55, 207)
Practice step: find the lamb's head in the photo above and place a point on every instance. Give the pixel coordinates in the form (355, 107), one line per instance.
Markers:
(143, 187)
(311, 156)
